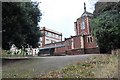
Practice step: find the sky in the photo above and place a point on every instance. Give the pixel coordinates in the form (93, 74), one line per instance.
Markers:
(60, 15)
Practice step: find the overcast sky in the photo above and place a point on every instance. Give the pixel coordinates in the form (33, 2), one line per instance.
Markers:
(60, 15)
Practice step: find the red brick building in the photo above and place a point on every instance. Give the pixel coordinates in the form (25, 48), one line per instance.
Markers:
(82, 43)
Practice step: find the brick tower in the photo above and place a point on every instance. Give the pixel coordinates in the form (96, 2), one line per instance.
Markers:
(82, 27)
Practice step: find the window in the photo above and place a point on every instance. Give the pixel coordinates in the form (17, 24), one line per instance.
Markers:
(51, 34)
(47, 39)
(59, 37)
(52, 41)
(83, 23)
(55, 36)
(89, 39)
(46, 33)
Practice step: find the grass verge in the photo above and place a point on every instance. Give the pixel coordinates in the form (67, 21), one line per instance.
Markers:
(102, 66)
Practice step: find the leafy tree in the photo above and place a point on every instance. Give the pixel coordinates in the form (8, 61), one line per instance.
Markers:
(19, 24)
(106, 28)
(101, 7)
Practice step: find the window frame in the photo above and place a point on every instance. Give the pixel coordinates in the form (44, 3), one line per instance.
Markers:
(89, 39)
(83, 23)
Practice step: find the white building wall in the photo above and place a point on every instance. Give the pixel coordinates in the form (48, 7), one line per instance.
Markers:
(50, 36)
(35, 51)
(48, 40)
(82, 42)
(72, 43)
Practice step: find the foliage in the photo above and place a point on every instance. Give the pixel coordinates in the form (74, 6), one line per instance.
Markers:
(106, 26)
(8, 53)
(101, 7)
(20, 20)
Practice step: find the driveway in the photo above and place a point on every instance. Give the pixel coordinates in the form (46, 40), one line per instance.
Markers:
(33, 67)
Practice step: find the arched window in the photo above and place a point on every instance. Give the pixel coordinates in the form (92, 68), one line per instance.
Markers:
(83, 23)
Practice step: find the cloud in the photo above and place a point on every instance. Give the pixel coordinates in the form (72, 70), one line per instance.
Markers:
(60, 15)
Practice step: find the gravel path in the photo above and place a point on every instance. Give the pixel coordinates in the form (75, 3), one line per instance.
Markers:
(33, 67)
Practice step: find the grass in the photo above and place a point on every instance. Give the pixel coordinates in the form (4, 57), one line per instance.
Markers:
(20, 68)
(103, 66)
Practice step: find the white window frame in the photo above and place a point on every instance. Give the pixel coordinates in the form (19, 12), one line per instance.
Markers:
(89, 39)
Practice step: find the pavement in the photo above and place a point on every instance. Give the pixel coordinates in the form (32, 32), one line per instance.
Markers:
(34, 66)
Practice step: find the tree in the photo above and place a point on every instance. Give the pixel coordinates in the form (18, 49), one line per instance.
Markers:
(19, 23)
(101, 7)
(106, 28)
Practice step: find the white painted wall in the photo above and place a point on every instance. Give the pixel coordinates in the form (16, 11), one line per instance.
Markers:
(48, 40)
(82, 42)
(72, 43)
(35, 51)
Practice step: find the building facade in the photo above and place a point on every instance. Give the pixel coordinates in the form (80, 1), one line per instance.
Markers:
(82, 43)
(49, 36)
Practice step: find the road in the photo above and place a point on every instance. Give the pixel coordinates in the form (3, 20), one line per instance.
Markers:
(33, 67)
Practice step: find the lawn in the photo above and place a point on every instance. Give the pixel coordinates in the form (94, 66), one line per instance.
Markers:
(20, 68)
(103, 66)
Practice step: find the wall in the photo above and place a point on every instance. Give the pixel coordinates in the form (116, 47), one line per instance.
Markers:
(92, 51)
(90, 44)
(73, 45)
(49, 36)
(60, 50)
(75, 52)
(49, 39)
(77, 42)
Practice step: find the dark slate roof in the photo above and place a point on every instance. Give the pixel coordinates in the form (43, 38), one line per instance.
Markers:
(51, 47)
(86, 14)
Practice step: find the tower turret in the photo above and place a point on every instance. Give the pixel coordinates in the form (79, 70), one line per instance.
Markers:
(84, 7)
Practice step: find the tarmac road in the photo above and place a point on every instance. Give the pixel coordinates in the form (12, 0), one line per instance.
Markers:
(33, 67)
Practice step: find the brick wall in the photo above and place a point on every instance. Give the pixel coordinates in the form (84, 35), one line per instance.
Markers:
(68, 43)
(61, 49)
(78, 25)
(89, 44)
(77, 42)
(92, 51)
(75, 52)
